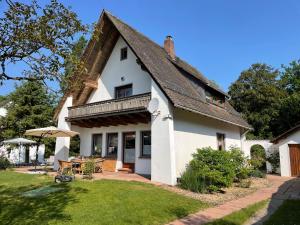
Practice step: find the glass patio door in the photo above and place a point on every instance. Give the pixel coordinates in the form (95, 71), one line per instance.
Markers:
(129, 148)
(97, 144)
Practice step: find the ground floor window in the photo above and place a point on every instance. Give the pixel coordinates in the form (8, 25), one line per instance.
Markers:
(97, 144)
(221, 141)
(146, 144)
(112, 145)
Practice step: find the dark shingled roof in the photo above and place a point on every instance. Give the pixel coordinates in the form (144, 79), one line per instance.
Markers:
(175, 77)
(286, 134)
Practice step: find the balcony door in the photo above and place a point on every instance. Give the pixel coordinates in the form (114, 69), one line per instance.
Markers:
(129, 150)
(97, 145)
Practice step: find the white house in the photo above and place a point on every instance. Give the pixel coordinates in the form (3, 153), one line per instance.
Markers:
(142, 107)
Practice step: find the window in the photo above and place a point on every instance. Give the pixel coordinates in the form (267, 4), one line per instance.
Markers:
(112, 145)
(215, 99)
(123, 91)
(123, 54)
(97, 144)
(221, 141)
(146, 144)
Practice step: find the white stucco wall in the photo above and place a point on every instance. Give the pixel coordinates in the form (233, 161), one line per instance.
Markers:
(163, 152)
(285, 165)
(266, 144)
(193, 131)
(115, 69)
(142, 165)
(63, 143)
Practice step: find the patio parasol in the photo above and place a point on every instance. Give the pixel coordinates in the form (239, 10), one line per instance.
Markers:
(19, 141)
(47, 132)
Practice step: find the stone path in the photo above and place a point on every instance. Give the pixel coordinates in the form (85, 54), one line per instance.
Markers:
(282, 188)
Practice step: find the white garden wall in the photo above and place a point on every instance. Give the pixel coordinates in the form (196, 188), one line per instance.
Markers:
(121, 72)
(193, 131)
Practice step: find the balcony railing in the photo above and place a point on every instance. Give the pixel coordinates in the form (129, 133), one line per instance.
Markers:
(132, 103)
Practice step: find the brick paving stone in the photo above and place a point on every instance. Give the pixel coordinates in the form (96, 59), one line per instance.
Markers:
(282, 188)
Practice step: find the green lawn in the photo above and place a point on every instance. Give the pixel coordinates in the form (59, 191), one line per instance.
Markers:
(288, 214)
(88, 202)
(241, 216)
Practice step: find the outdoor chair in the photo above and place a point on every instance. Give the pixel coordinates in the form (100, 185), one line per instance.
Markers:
(64, 165)
(99, 166)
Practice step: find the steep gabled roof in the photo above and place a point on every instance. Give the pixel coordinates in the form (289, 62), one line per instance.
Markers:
(176, 78)
(286, 134)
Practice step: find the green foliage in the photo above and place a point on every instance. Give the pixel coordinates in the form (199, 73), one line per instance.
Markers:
(70, 63)
(88, 169)
(74, 146)
(4, 163)
(30, 107)
(274, 160)
(268, 99)
(193, 181)
(39, 38)
(258, 157)
(256, 94)
(210, 170)
(257, 173)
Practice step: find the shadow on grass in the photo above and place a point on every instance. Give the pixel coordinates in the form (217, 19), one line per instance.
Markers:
(18, 209)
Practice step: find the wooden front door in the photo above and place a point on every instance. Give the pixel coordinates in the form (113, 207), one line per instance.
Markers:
(129, 150)
(295, 159)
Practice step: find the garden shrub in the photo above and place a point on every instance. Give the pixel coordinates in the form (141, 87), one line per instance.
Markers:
(210, 170)
(258, 157)
(274, 160)
(257, 173)
(88, 169)
(4, 163)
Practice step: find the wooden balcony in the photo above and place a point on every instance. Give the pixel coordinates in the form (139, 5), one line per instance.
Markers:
(113, 112)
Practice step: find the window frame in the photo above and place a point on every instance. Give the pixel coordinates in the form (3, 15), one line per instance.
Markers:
(107, 141)
(122, 50)
(123, 87)
(223, 147)
(142, 155)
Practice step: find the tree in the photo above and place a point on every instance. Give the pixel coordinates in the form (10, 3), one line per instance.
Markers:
(38, 37)
(30, 107)
(256, 94)
(70, 67)
(289, 111)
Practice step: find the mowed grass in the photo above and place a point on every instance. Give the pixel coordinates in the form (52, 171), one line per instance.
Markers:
(288, 214)
(89, 202)
(241, 216)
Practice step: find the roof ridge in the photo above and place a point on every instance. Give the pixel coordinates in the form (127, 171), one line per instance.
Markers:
(207, 82)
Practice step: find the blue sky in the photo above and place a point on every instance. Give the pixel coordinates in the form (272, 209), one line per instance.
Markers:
(219, 37)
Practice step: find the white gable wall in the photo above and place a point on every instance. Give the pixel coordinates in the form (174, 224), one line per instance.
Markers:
(284, 152)
(115, 69)
(193, 131)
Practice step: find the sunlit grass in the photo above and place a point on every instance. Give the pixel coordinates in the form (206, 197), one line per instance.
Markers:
(89, 202)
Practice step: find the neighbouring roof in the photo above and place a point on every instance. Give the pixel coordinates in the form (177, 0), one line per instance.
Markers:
(286, 134)
(176, 78)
